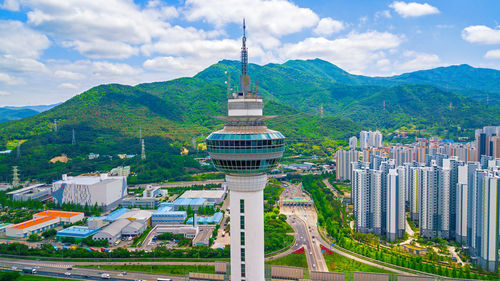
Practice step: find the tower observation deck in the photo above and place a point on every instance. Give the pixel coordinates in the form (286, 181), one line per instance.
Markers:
(245, 150)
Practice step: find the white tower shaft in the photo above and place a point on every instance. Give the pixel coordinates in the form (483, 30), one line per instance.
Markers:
(247, 226)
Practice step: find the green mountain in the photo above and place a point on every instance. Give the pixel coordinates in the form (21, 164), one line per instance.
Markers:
(7, 114)
(176, 114)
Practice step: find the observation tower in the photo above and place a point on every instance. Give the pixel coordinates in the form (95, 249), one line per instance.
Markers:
(245, 150)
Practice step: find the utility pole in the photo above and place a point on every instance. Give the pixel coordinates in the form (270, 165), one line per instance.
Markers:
(73, 140)
(321, 111)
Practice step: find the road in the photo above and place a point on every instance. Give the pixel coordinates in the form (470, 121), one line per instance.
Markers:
(59, 269)
(304, 221)
(333, 189)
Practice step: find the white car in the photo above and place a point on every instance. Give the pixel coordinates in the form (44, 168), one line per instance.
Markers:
(67, 273)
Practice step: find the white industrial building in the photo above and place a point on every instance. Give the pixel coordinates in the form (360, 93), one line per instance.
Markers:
(112, 232)
(215, 196)
(103, 190)
(32, 192)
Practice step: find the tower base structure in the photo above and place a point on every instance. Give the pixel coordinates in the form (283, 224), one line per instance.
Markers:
(247, 226)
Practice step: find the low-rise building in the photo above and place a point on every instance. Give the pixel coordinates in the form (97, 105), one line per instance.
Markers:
(215, 196)
(3, 226)
(33, 192)
(140, 202)
(42, 221)
(193, 203)
(112, 232)
(154, 191)
(76, 232)
(167, 215)
(134, 228)
(214, 219)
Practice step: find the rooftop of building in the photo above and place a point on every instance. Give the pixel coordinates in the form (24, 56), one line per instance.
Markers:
(214, 193)
(116, 227)
(28, 189)
(75, 230)
(57, 213)
(87, 179)
(116, 214)
(44, 216)
(32, 222)
(2, 225)
(190, 201)
(215, 218)
(168, 209)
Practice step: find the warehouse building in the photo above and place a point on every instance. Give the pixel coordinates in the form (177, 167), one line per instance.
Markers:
(134, 228)
(42, 221)
(103, 190)
(112, 232)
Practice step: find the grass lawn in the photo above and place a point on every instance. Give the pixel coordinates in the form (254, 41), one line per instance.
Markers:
(338, 263)
(158, 269)
(298, 260)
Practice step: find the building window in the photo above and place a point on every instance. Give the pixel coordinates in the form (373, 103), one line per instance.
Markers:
(242, 206)
(242, 222)
(243, 270)
(242, 238)
(242, 254)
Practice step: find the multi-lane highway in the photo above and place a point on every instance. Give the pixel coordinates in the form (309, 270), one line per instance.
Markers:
(66, 270)
(303, 220)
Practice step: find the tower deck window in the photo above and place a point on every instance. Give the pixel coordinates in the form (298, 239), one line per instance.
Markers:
(242, 222)
(242, 206)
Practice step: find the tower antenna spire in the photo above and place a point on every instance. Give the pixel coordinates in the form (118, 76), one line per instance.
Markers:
(245, 79)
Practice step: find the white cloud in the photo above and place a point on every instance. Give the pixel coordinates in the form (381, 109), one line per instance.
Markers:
(3, 93)
(103, 49)
(383, 14)
(69, 75)
(94, 27)
(9, 80)
(413, 9)
(481, 34)
(103, 68)
(18, 40)
(177, 66)
(355, 52)
(67, 86)
(419, 61)
(493, 54)
(273, 17)
(17, 64)
(10, 5)
(328, 26)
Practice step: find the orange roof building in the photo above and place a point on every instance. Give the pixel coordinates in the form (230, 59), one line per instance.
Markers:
(41, 222)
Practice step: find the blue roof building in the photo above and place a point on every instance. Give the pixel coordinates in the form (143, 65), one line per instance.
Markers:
(215, 219)
(166, 215)
(194, 203)
(77, 232)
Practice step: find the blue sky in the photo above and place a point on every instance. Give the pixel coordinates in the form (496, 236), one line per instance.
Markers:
(51, 50)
